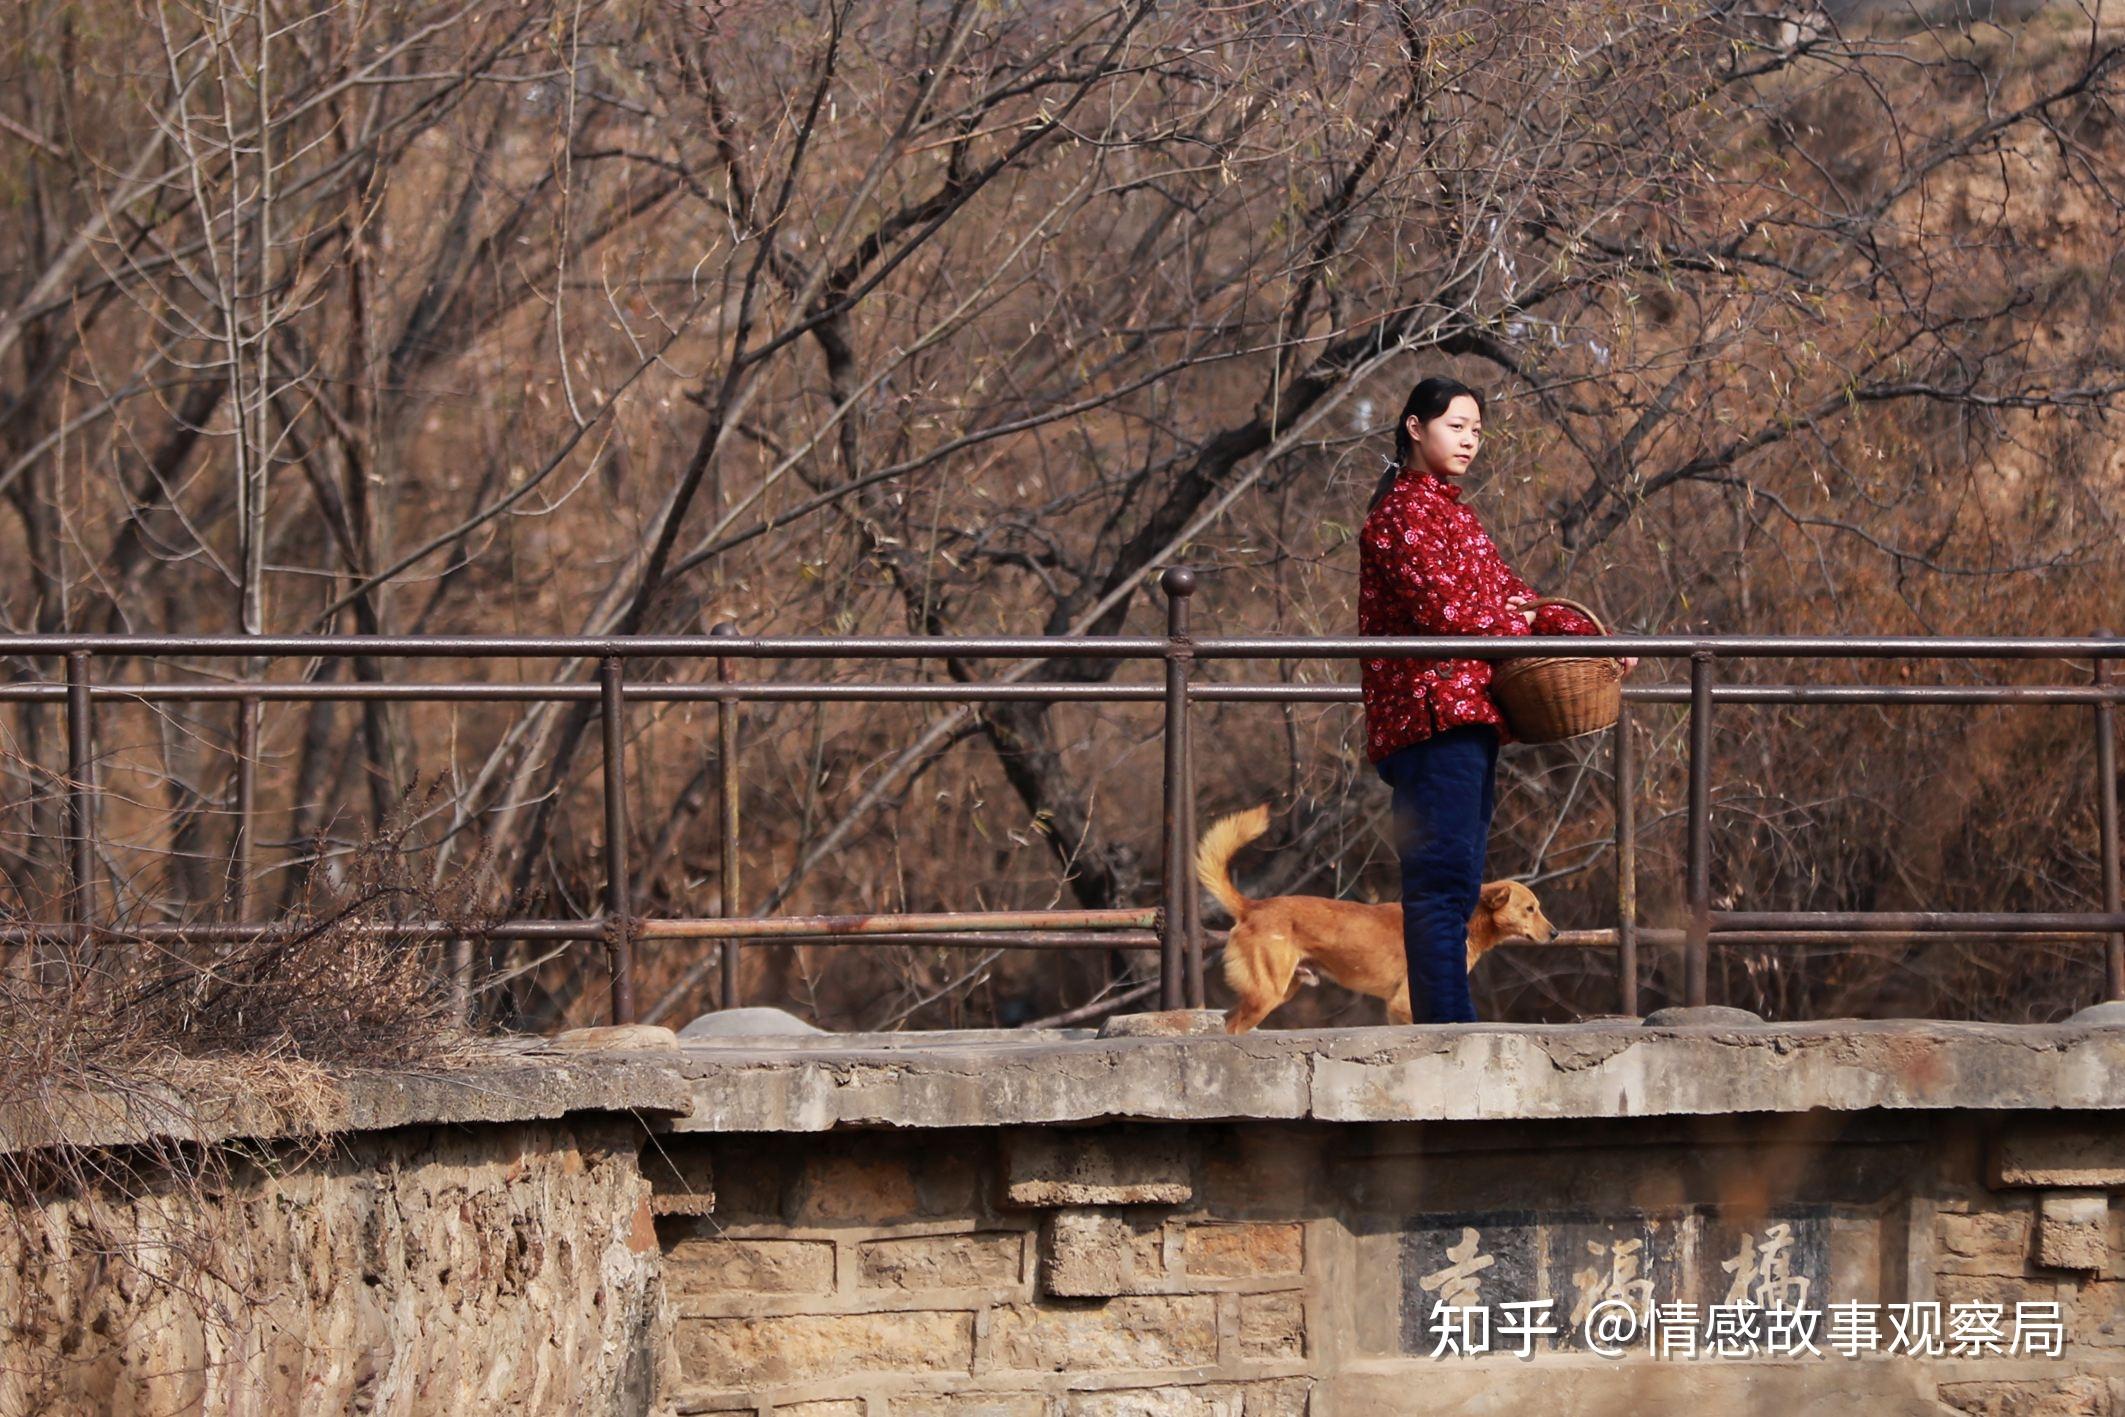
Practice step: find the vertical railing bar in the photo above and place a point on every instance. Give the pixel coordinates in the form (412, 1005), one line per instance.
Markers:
(80, 810)
(619, 920)
(1625, 762)
(2106, 767)
(1191, 894)
(727, 824)
(1179, 584)
(242, 846)
(1697, 949)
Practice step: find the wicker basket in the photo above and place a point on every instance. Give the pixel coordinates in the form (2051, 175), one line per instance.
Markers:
(1546, 698)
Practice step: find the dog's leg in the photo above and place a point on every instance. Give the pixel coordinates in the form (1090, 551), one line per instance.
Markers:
(1247, 1013)
(1252, 972)
(1257, 1001)
(1243, 975)
(1296, 977)
(1398, 1007)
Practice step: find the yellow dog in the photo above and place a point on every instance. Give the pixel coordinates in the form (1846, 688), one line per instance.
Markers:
(1358, 946)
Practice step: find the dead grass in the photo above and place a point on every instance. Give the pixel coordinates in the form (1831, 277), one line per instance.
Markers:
(338, 983)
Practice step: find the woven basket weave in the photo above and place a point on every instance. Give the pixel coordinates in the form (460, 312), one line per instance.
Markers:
(1547, 698)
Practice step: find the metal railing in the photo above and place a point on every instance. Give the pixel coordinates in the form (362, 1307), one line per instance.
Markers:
(1174, 926)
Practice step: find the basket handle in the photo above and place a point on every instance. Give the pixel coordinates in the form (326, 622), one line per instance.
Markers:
(1569, 604)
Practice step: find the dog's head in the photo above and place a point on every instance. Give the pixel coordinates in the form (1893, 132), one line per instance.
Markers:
(1507, 910)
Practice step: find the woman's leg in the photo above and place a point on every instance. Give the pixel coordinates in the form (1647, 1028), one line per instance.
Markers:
(1442, 787)
(1490, 807)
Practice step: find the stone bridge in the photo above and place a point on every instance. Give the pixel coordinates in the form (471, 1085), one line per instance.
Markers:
(1842, 1217)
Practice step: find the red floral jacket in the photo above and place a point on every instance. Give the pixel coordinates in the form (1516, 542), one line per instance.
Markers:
(1427, 567)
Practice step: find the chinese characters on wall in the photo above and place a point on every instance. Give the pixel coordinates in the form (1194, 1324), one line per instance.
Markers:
(1679, 1286)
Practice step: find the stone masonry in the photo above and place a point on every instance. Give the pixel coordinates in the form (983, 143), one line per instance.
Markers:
(990, 1225)
(1247, 1268)
(505, 1268)
(1061, 1224)
(975, 1274)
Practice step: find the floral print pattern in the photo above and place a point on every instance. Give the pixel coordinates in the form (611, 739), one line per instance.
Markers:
(1427, 567)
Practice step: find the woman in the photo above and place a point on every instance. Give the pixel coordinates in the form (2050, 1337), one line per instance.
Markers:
(1427, 567)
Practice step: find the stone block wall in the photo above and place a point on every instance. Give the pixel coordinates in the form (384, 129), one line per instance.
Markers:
(1264, 1268)
(1248, 1268)
(2026, 1238)
(896, 1275)
(499, 1268)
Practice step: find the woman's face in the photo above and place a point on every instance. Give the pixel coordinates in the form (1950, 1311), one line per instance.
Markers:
(1449, 443)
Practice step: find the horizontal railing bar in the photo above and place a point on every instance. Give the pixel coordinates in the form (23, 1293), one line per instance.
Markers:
(1928, 921)
(1900, 937)
(1663, 647)
(1058, 646)
(1094, 929)
(203, 933)
(774, 927)
(590, 932)
(989, 939)
(786, 926)
(1879, 694)
(223, 692)
(591, 646)
(1606, 938)
(815, 692)
(1725, 693)
(976, 936)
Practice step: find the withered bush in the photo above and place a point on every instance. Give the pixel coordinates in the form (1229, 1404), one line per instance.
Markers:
(350, 977)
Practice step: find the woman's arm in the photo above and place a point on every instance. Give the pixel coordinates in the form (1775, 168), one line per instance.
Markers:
(1439, 584)
(1563, 620)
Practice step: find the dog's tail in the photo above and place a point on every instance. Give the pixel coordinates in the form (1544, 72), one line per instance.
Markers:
(1214, 853)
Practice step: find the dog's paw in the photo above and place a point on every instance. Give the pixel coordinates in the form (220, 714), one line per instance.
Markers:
(1305, 976)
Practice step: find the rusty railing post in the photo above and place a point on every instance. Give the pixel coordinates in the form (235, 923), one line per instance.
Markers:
(1177, 951)
(1191, 897)
(1697, 948)
(80, 809)
(2106, 768)
(727, 770)
(1625, 763)
(619, 921)
(241, 845)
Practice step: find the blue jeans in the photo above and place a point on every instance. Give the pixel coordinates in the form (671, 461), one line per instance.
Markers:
(1444, 790)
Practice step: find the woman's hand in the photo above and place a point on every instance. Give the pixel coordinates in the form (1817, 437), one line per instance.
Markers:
(1519, 604)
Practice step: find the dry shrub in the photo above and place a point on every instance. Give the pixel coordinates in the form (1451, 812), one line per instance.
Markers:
(339, 981)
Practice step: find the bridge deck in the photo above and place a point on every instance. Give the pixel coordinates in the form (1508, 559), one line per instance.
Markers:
(1460, 1073)
(1477, 1072)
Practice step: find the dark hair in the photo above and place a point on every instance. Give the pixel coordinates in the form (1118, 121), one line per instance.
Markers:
(1427, 401)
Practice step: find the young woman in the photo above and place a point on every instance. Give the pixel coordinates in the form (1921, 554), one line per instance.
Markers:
(1427, 567)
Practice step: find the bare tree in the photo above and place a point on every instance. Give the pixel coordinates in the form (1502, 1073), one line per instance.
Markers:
(943, 318)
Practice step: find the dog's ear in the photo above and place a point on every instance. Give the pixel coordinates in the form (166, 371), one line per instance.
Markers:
(1495, 894)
